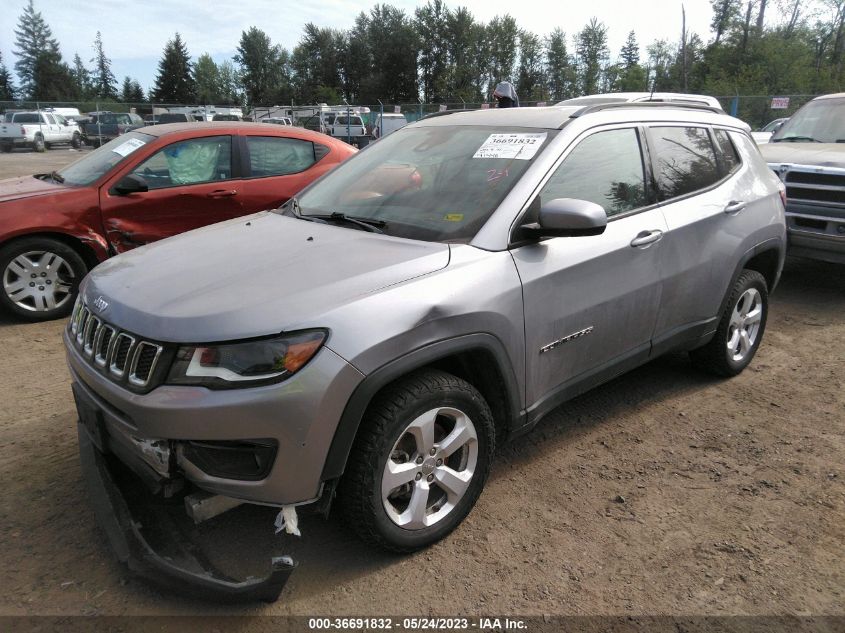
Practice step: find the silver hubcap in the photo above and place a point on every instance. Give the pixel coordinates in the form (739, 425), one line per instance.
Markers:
(430, 468)
(745, 324)
(38, 281)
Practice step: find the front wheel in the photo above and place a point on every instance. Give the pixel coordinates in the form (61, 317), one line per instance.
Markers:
(740, 329)
(419, 462)
(40, 278)
(76, 141)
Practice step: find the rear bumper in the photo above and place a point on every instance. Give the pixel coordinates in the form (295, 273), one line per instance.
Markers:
(182, 572)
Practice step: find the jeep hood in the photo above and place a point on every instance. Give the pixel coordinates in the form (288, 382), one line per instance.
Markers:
(253, 276)
(816, 154)
(28, 186)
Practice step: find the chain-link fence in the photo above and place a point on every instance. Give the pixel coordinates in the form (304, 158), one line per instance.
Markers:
(756, 110)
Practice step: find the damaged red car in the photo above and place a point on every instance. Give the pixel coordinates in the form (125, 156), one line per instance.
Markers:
(141, 187)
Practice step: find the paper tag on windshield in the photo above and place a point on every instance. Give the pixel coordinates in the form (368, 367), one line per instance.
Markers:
(124, 149)
(518, 146)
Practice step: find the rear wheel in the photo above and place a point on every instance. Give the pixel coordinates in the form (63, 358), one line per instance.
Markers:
(740, 330)
(40, 278)
(38, 144)
(7, 147)
(419, 462)
(76, 141)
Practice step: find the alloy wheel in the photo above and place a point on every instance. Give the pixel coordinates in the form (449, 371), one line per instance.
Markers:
(38, 281)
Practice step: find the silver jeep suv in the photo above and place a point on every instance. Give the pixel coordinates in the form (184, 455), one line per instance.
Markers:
(374, 339)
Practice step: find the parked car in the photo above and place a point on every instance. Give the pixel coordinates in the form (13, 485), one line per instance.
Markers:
(348, 126)
(642, 97)
(378, 337)
(138, 188)
(226, 117)
(38, 130)
(808, 154)
(151, 119)
(765, 133)
(281, 120)
(176, 117)
(386, 123)
(103, 127)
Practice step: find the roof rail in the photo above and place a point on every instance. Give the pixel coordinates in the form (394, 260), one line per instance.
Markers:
(644, 104)
(444, 113)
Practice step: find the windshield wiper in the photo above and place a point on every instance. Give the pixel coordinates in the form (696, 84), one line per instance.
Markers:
(796, 139)
(57, 177)
(368, 224)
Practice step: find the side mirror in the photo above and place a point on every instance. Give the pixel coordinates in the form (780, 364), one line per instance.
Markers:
(567, 217)
(131, 183)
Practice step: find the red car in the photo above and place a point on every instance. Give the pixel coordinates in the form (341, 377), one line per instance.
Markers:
(143, 186)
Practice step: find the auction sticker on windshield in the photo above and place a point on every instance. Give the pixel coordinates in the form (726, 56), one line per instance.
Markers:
(124, 149)
(518, 146)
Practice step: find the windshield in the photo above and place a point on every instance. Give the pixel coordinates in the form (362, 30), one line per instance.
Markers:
(96, 164)
(822, 120)
(438, 183)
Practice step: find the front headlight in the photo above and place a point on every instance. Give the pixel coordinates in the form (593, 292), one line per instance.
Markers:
(246, 364)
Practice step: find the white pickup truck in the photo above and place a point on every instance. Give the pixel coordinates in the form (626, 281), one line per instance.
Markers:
(38, 130)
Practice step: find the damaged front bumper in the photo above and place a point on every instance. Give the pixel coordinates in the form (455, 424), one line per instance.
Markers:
(183, 569)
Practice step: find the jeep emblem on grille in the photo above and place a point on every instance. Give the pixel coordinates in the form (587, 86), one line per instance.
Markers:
(100, 303)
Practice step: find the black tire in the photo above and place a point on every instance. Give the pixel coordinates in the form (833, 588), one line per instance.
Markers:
(38, 144)
(76, 141)
(716, 357)
(33, 312)
(384, 424)
(6, 148)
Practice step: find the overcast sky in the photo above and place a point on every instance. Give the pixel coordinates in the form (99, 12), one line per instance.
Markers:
(134, 33)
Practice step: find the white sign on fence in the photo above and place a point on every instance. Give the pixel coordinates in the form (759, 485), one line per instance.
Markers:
(442, 107)
(397, 109)
(541, 104)
(780, 103)
(485, 106)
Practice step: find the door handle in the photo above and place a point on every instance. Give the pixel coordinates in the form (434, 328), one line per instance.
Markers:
(644, 238)
(734, 206)
(222, 193)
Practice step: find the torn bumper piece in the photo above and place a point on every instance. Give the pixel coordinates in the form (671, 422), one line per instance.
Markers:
(184, 570)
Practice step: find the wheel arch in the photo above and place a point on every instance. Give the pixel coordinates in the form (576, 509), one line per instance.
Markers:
(766, 258)
(480, 359)
(85, 250)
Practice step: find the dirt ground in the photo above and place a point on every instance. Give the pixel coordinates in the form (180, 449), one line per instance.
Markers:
(664, 492)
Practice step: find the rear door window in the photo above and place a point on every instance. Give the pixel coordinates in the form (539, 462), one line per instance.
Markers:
(278, 156)
(685, 160)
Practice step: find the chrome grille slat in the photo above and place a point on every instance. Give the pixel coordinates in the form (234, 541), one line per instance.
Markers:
(120, 355)
(92, 329)
(105, 338)
(119, 361)
(141, 348)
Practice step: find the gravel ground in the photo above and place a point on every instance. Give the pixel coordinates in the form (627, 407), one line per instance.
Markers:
(664, 492)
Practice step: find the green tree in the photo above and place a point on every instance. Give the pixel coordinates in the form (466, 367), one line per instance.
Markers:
(260, 64)
(316, 62)
(531, 74)
(502, 34)
(174, 82)
(229, 83)
(559, 68)
(431, 22)
(35, 48)
(103, 80)
(466, 47)
(591, 53)
(51, 78)
(207, 80)
(725, 12)
(81, 77)
(632, 76)
(357, 62)
(393, 46)
(7, 88)
(131, 91)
